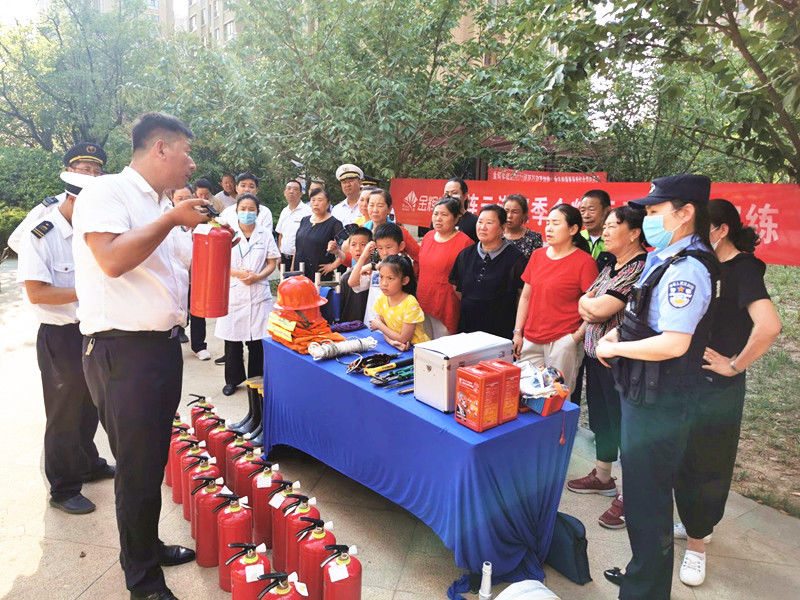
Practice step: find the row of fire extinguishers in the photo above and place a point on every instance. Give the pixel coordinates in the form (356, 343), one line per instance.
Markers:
(239, 505)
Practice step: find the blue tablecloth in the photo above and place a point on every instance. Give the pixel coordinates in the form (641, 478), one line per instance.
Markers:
(489, 496)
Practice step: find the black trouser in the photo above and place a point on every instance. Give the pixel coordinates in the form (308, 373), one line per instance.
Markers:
(136, 385)
(197, 333)
(704, 477)
(575, 396)
(653, 443)
(234, 361)
(602, 400)
(286, 260)
(70, 456)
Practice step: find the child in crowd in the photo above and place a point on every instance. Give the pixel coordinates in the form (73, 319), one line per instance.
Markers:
(397, 312)
(387, 239)
(354, 303)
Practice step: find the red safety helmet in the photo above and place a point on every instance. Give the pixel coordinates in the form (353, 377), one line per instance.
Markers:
(297, 294)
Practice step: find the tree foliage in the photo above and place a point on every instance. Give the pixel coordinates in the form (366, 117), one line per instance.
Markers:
(63, 79)
(750, 50)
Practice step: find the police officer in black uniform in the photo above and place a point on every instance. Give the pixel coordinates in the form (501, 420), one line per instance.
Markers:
(46, 270)
(657, 357)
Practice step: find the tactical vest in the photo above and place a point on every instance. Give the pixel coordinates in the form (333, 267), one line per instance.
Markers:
(642, 381)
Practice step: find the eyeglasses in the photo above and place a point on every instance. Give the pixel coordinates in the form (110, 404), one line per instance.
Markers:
(94, 171)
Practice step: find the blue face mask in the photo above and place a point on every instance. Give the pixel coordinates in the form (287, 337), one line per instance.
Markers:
(246, 218)
(654, 232)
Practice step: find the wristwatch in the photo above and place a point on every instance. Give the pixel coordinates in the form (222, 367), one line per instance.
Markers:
(516, 331)
(733, 366)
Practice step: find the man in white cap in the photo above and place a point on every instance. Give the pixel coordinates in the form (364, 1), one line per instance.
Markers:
(349, 177)
(46, 270)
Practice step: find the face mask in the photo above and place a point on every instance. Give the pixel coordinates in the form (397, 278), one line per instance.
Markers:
(653, 228)
(714, 244)
(246, 218)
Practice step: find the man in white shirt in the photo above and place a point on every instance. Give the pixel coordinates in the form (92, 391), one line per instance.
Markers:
(289, 220)
(349, 176)
(228, 193)
(132, 288)
(247, 183)
(46, 269)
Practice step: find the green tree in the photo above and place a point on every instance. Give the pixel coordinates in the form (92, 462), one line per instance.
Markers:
(63, 79)
(750, 50)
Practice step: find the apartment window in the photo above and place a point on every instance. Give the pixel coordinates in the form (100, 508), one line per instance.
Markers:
(216, 8)
(202, 17)
(230, 30)
(193, 23)
(216, 34)
(153, 4)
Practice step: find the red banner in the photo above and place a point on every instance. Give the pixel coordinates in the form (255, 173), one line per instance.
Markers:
(772, 209)
(501, 174)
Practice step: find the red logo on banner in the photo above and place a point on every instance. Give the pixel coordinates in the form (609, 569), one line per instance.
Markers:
(773, 210)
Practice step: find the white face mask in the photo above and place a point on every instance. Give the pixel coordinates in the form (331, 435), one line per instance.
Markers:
(714, 244)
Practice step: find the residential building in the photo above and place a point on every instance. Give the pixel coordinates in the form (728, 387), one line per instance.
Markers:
(212, 21)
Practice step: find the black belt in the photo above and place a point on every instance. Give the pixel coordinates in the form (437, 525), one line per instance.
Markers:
(112, 333)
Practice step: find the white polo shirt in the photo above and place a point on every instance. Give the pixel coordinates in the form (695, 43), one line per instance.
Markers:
(345, 213)
(226, 200)
(49, 259)
(264, 217)
(288, 223)
(152, 296)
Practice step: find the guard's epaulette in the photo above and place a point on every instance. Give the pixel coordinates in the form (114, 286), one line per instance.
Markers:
(42, 229)
(49, 201)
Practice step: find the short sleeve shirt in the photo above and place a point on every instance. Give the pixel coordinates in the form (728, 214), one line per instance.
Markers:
(408, 311)
(616, 282)
(345, 213)
(49, 259)
(683, 295)
(150, 297)
(288, 223)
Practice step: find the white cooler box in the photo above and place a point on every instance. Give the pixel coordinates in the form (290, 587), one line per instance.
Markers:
(436, 364)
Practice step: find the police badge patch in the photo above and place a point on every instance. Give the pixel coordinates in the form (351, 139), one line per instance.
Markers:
(680, 293)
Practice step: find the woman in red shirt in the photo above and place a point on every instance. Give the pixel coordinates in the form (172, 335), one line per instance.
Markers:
(549, 330)
(437, 255)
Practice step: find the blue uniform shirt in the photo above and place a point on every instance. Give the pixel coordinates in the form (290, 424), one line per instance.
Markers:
(683, 295)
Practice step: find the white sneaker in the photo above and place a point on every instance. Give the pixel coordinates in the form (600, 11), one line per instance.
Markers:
(203, 354)
(693, 568)
(679, 532)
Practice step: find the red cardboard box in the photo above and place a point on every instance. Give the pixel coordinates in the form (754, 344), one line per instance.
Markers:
(509, 392)
(478, 398)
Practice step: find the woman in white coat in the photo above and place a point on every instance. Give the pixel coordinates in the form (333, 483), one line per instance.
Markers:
(252, 260)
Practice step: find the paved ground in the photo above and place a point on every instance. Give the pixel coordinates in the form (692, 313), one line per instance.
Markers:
(44, 553)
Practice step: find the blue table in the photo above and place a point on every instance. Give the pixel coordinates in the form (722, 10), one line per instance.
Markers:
(489, 496)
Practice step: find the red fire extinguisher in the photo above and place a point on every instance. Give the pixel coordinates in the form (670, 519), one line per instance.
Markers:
(202, 405)
(199, 486)
(178, 428)
(211, 425)
(312, 542)
(205, 420)
(263, 484)
(233, 451)
(283, 587)
(218, 439)
(198, 466)
(242, 467)
(206, 534)
(211, 271)
(341, 574)
(303, 506)
(181, 446)
(277, 502)
(234, 526)
(247, 566)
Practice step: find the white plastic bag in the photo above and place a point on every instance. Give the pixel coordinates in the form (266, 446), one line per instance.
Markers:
(530, 589)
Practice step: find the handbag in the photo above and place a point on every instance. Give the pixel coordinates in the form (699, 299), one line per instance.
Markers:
(568, 550)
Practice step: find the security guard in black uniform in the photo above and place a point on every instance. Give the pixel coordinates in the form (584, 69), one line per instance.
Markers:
(46, 270)
(657, 354)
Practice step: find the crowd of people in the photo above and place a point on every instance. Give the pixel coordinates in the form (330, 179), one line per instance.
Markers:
(663, 337)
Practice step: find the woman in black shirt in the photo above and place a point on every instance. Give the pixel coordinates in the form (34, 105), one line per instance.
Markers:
(313, 235)
(487, 277)
(745, 325)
